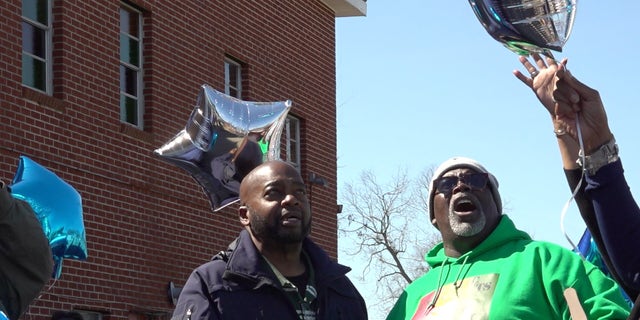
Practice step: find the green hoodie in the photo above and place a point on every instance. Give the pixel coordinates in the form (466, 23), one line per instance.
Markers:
(509, 276)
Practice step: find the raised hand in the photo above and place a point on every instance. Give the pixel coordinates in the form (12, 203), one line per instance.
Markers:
(572, 98)
(542, 79)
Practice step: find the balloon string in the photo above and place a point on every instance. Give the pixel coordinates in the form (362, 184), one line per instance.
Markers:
(27, 313)
(575, 191)
(563, 214)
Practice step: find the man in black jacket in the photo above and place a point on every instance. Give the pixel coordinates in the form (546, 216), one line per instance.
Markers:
(273, 270)
(25, 255)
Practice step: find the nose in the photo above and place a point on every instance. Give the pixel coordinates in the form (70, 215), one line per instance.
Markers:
(460, 186)
(290, 200)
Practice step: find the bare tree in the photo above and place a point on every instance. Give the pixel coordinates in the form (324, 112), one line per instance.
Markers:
(390, 230)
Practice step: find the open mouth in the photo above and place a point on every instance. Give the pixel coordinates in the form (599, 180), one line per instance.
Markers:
(464, 206)
(291, 219)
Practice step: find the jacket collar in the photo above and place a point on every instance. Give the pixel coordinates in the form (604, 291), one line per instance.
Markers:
(246, 262)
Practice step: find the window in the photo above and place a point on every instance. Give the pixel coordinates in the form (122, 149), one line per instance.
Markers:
(131, 107)
(90, 315)
(36, 45)
(232, 78)
(292, 141)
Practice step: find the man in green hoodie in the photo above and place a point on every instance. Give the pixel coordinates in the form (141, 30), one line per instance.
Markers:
(485, 268)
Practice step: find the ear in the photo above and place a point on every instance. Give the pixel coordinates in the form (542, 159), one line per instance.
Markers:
(243, 215)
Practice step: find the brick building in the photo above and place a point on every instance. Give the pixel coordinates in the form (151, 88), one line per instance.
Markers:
(90, 88)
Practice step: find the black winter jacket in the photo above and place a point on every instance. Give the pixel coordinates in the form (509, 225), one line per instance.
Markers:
(25, 256)
(245, 288)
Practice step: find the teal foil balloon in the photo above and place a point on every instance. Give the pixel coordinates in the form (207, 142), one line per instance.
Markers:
(57, 205)
(527, 26)
(588, 249)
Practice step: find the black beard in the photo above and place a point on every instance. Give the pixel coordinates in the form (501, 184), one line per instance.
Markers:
(264, 229)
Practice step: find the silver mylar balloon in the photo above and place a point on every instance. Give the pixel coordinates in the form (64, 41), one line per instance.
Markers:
(223, 140)
(527, 26)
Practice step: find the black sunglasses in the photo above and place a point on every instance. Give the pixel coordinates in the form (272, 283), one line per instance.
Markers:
(476, 181)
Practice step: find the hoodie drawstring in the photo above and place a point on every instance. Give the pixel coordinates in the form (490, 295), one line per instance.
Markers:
(441, 282)
(455, 283)
(438, 290)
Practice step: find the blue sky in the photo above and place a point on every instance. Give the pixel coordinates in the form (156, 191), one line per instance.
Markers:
(420, 81)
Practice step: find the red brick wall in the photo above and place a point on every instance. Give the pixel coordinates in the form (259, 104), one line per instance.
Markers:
(148, 222)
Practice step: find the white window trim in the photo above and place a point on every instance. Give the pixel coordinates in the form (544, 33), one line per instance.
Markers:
(295, 141)
(227, 79)
(48, 49)
(139, 71)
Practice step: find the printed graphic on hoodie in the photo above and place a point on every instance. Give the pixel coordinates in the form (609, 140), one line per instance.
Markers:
(466, 299)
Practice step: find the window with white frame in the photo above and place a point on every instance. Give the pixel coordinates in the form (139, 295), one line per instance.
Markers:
(36, 45)
(232, 78)
(292, 141)
(131, 103)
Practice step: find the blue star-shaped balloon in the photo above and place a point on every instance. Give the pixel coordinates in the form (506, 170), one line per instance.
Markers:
(57, 205)
(223, 140)
(589, 251)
